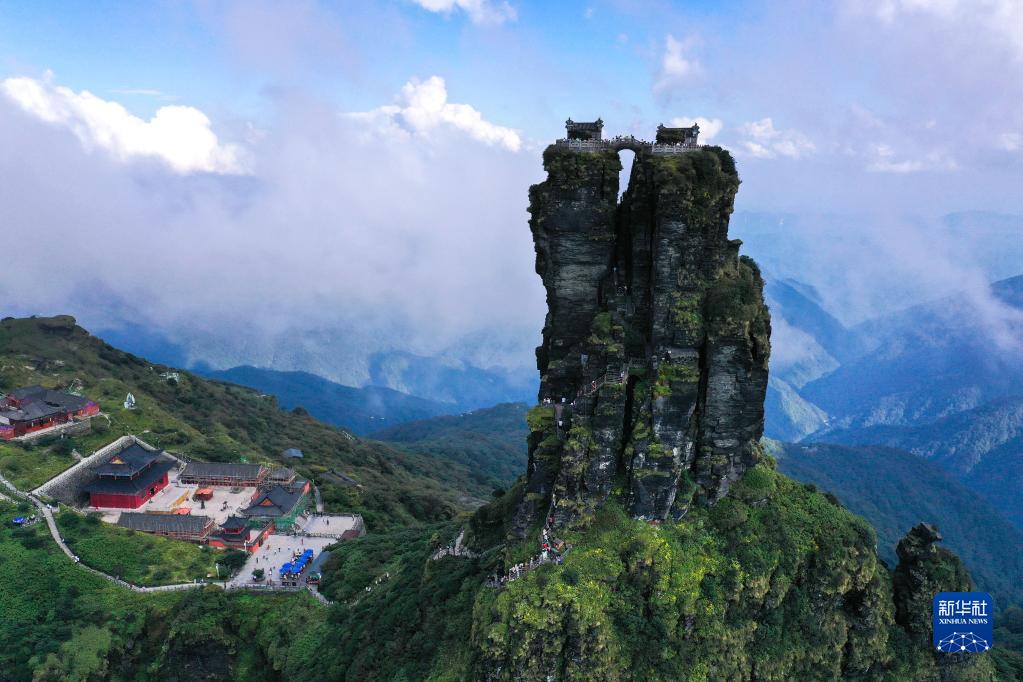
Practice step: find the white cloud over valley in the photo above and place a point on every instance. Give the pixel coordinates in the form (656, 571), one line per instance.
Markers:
(388, 241)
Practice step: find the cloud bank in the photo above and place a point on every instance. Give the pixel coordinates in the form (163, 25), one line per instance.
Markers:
(180, 136)
(340, 232)
(366, 214)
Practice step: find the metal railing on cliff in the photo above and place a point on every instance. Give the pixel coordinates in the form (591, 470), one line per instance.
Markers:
(627, 142)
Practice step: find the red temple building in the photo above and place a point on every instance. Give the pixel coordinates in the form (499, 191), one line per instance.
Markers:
(237, 533)
(35, 408)
(129, 478)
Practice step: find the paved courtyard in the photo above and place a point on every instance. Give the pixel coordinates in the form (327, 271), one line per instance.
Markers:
(226, 501)
(333, 525)
(277, 551)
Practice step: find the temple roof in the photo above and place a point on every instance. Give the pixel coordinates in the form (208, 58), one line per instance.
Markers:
(594, 125)
(130, 486)
(36, 402)
(165, 523)
(277, 501)
(235, 523)
(222, 470)
(128, 462)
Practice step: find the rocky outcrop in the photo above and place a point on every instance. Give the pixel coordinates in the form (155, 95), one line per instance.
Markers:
(655, 347)
(924, 570)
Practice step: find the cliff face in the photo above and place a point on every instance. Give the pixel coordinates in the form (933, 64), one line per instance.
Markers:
(654, 370)
(653, 377)
(655, 348)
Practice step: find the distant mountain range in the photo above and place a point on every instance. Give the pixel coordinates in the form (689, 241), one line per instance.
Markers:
(360, 410)
(982, 447)
(477, 372)
(490, 442)
(894, 490)
(942, 380)
(398, 386)
(930, 361)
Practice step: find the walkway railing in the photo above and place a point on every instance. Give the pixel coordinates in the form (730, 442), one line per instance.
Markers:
(609, 377)
(679, 148)
(627, 142)
(547, 555)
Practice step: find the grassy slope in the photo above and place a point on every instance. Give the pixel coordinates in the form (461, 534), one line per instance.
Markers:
(28, 467)
(46, 601)
(216, 421)
(490, 441)
(59, 622)
(140, 558)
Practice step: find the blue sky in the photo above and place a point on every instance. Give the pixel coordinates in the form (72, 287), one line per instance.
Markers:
(829, 77)
(364, 166)
(356, 55)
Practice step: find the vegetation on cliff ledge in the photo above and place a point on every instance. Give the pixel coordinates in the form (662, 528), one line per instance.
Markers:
(775, 582)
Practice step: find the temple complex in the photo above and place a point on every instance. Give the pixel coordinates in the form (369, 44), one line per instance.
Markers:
(35, 408)
(589, 137)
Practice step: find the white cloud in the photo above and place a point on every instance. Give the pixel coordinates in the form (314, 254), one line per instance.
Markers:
(178, 135)
(888, 10)
(1010, 142)
(886, 161)
(380, 242)
(479, 11)
(709, 127)
(1002, 19)
(143, 92)
(423, 108)
(677, 67)
(762, 140)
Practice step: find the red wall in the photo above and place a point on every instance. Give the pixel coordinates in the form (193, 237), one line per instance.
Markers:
(125, 501)
(90, 410)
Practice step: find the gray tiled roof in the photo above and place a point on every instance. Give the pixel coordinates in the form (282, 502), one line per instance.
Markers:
(277, 501)
(38, 403)
(221, 470)
(165, 523)
(133, 459)
(130, 486)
